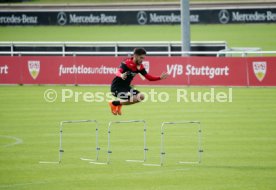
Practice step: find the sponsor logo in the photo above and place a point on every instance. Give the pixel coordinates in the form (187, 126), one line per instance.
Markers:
(142, 17)
(237, 16)
(171, 18)
(211, 72)
(254, 17)
(81, 69)
(61, 18)
(177, 70)
(34, 68)
(157, 18)
(259, 70)
(20, 19)
(194, 18)
(4, 70)
(224, 16)
(92, 19)
(174, 70)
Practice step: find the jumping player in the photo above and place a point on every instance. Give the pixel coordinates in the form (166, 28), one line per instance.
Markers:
(120, 86)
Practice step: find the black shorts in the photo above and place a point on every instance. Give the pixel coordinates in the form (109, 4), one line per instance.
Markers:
(124, 93)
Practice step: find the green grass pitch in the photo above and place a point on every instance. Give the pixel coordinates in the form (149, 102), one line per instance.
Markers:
(238, 141)
(239, 35)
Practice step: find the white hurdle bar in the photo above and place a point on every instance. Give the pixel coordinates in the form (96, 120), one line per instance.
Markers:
(162, 151)
(130, 121)
(61, 151)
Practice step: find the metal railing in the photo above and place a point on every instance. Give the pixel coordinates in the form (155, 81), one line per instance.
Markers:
(151, 53)
(105, 48)
(154, 48)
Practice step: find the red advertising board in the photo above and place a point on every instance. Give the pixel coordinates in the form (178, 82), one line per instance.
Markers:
(100, 70)
(216, 71)
(10, 70)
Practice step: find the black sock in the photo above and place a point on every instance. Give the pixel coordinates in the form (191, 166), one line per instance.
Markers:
(116, 103)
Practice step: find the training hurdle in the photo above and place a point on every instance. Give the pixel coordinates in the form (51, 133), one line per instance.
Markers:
(145, 149)
(61, 151)
(162, 146)
(109, 152)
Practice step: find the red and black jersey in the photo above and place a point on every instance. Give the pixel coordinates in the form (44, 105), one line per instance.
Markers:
(131, 69)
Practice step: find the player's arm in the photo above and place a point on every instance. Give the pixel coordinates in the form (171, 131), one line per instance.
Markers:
(153, 78)
(121, 72)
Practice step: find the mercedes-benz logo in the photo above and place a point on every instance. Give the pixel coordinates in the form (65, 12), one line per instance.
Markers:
(142, 17)
(61, 18)
(224, 16)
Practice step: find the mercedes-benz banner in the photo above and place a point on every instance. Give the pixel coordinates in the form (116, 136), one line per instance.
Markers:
(141, 17)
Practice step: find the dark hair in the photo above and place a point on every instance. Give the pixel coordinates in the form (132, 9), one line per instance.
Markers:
(140, 51)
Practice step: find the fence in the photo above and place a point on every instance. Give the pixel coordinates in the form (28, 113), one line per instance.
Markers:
(107, 48)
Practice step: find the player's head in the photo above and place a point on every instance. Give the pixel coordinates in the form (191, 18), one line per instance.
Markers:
(139, 55)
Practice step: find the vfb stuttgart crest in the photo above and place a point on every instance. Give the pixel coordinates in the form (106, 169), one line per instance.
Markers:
(34, 68)
(259, 70)
(146, 65)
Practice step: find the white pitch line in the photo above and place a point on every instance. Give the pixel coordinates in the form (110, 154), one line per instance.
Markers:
(152, 164)
(48, 162)
(87, 159)
(99, 163)
(156, 171)
(17, 141)
(135, 161)
(21, 184)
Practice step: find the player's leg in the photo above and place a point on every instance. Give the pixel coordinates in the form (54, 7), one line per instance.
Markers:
(113, 108)
(123, 94)
(126, 98)
(133, 99)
